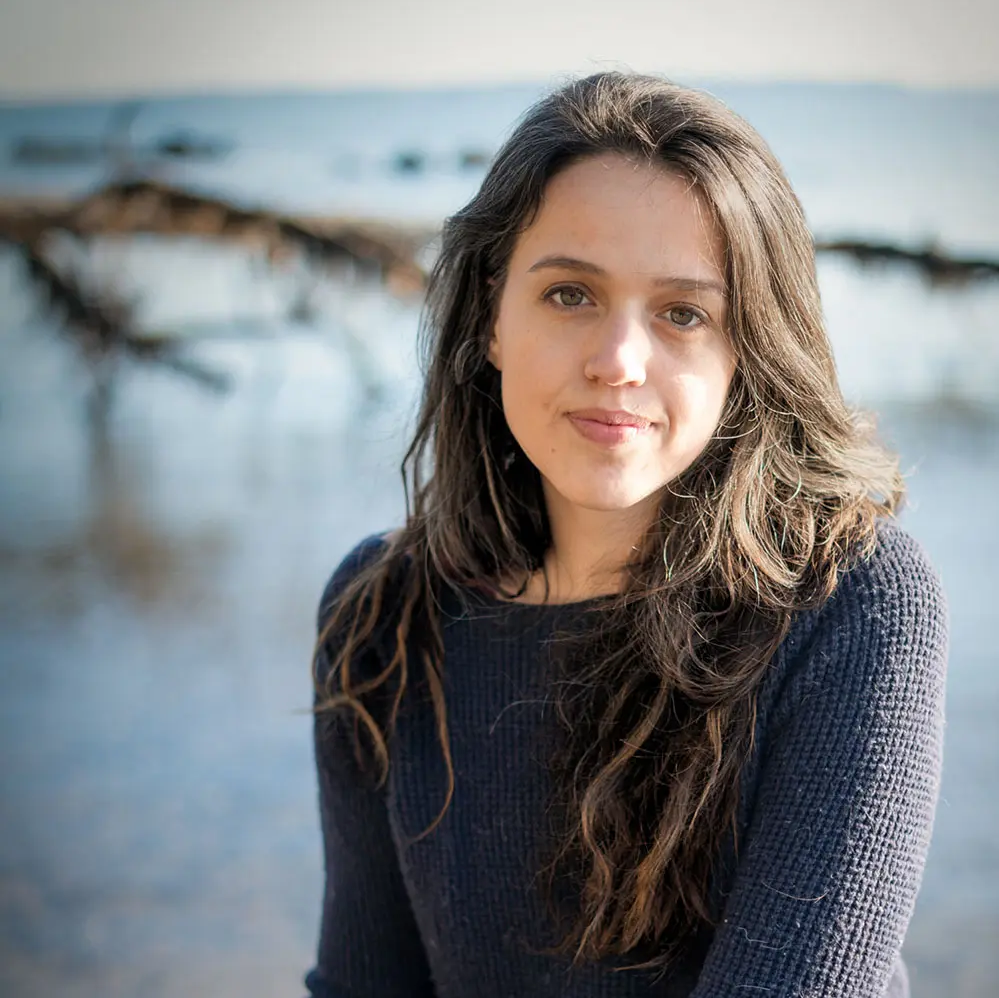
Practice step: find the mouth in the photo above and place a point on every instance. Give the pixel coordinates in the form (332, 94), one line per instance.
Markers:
(609, 426)
(612, 417)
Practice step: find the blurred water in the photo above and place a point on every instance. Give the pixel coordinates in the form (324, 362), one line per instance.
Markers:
(158, 587)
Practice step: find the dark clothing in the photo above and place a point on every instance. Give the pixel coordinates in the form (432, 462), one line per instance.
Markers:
(836, 811)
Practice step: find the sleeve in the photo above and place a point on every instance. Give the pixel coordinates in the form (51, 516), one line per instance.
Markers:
(369, 943)
(843, 812)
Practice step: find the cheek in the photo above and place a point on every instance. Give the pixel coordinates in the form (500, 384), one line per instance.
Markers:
(698, 398)
(531, 371)
(527, 395)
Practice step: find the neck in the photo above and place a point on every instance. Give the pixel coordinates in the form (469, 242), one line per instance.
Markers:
(589, 551)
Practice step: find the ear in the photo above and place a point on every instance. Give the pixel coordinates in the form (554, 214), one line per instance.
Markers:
(493, 351)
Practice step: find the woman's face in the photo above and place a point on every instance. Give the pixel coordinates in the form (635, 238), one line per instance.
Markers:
(610, 334)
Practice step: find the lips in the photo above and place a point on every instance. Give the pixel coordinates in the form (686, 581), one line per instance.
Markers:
(612, 417)
(609, 426)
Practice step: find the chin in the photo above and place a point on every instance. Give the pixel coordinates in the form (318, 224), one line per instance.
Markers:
(608, 498)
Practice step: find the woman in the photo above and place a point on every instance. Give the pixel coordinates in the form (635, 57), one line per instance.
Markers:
(645, 698)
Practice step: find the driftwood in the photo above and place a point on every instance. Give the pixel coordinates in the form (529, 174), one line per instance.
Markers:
(102, 324)
(149, 206)
(937, 268)
(103, 327)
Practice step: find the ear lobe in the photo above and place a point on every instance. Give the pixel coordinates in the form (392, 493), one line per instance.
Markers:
(493, 352)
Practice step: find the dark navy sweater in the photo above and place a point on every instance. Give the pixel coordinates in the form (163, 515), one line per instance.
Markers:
(836, 811)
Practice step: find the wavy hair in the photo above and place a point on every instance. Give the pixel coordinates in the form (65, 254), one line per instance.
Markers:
(658, 696)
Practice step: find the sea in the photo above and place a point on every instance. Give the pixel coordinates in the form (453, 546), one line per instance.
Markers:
(160, 565)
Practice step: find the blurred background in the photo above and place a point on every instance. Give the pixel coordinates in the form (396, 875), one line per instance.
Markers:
(213, 223)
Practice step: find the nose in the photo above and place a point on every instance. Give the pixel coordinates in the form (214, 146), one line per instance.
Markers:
(620, 350)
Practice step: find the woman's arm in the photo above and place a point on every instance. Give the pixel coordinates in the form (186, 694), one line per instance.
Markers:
(369, 945)
(844, 805)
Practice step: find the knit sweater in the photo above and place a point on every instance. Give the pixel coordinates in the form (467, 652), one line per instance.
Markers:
(836, 811)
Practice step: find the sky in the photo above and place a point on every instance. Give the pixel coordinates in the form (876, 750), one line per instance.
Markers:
(77, 48)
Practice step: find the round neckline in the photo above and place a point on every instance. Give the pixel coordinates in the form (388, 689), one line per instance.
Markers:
(485, 598)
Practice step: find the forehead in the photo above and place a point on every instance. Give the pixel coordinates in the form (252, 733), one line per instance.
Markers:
(626, 216)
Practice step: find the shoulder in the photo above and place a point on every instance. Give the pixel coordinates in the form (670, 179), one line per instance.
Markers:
(884, 628)
(898, 567)
(894, 591)
(358, 558)
(363, 554)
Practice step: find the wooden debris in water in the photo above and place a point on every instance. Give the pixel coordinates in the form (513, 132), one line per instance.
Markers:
(150, 206)
(939, 269)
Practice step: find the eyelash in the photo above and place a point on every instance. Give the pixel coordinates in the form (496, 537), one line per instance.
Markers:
(550, 294)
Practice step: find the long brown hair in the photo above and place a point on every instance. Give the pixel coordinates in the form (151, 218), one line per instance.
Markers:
(658, 705)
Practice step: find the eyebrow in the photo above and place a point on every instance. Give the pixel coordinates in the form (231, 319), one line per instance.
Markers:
(681, 283)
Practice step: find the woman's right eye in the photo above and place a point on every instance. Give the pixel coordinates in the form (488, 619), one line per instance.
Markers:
(566, 296)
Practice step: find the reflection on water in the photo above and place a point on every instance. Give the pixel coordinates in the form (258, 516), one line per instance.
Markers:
(158, 596)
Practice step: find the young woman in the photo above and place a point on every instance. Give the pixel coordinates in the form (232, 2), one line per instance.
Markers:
(646, 696)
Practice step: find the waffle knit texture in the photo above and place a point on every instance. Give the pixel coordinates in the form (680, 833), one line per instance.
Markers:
(835, 819)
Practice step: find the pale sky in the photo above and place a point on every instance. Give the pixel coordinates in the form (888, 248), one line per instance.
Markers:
(65, 48)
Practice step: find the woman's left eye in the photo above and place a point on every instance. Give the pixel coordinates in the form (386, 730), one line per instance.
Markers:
(566, 296)
(685, 318)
